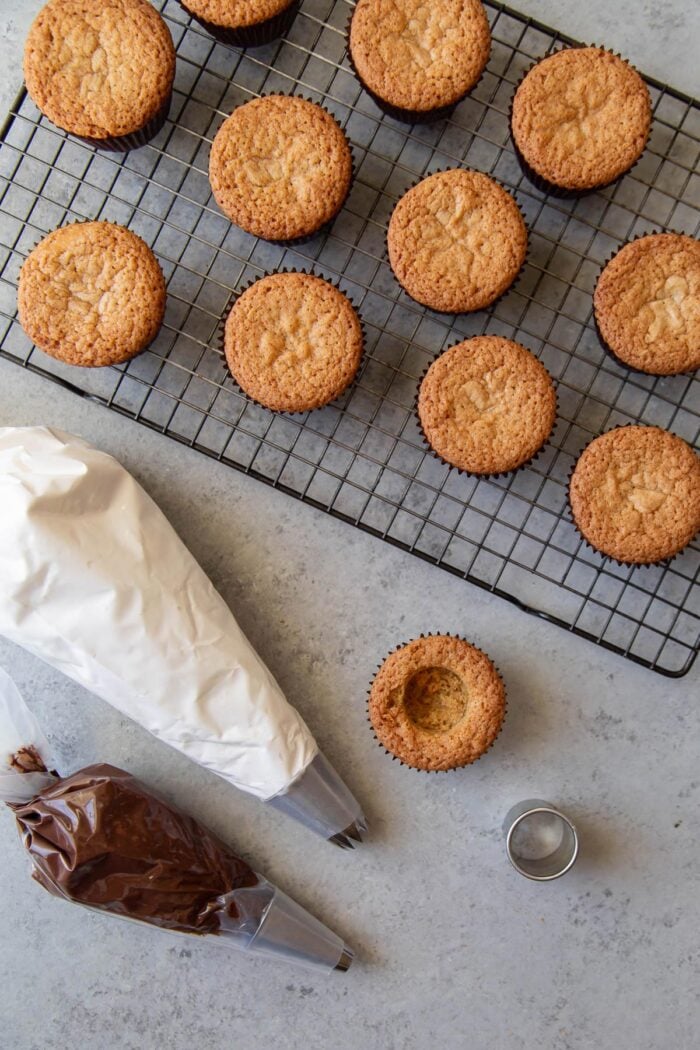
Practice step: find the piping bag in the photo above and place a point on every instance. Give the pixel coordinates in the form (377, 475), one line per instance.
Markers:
(101, 839)
(94, 580)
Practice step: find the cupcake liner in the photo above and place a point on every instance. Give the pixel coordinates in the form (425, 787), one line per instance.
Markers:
(294, 242)
(408, 116)
(470, 473)
(664, 562)
(518, 275)
(141, 137)
(464, 765)
(606, 346)
(544, 185)
(82, 222)
(253, 35)
(221, 336)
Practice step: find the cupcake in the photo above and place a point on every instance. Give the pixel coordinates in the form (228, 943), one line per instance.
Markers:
(647, 304)
(91, 294)
(280, 167)
(635, 494)
(101, 71)
(293, 342)
(580, 120)
(437, 703)
(244, 23)
(487, 405)
(456, 241)
(418, 59)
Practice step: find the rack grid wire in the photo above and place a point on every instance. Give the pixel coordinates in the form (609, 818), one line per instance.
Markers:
(362, 459)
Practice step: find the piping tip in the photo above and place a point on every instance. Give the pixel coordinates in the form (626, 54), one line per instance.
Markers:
(341, 839)
(355, 830)
(344, 962)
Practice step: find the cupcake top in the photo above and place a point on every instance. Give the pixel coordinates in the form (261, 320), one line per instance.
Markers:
(91, 293)
(235, 14)
(280, 167)
(647, 304)
(456, 241)
(293, 342)
(635, 494)
(416, 55)
(581, 117)
(99, 70)
(487, 405)
(437, 703)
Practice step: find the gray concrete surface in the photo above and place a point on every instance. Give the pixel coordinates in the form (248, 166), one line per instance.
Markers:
(454, 949)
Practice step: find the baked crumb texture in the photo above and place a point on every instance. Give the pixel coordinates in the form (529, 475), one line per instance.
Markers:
(635, 494)
(647, 304)
(456, 241)
(487, 405)
(101, 71)
(280, 167)
(91, 293)
(437, 703)
(581, 118)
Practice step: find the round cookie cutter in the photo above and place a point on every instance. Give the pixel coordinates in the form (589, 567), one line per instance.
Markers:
(541, 842)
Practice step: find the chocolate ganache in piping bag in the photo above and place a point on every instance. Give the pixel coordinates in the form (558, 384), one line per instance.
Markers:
(94, 580)
(99, 838)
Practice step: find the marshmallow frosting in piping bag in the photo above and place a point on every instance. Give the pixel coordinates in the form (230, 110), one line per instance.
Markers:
(101, 839)
(94, 580)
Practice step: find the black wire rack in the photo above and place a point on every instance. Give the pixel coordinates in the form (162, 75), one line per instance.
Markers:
(362, 459)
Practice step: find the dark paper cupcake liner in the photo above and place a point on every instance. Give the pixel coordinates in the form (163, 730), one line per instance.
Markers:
(662, 562)
(409, 116)
(220, 340)
(516, 278)
(306, 238)
(601, 339)
(82, 222)
(470, 473)
(253, 35)
(140, 137)
(544, 185)
(464, 765)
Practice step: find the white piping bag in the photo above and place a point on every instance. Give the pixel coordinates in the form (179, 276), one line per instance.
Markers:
(94, 580)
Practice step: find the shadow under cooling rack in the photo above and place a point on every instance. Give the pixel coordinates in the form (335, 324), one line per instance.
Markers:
(362, 459)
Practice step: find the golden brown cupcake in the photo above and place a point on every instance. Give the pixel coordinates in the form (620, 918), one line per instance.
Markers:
(647, 304)
(91, 294)
(418, 59)
(437, 703)
(635, 494)
(293, 342)
(280, 167)
(456, 241)
(487, 405)
(580, 120)
(244, 23)
(102, 71)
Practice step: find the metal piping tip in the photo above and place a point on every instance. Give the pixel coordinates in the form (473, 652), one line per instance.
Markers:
(345, 960)
(341, 840)
(355, 830)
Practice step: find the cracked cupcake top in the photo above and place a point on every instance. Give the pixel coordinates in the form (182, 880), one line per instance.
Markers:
(437, 703)
(235, 14)
(99, 69)
(456, 241)
(581, 117)
(91, 293)
(419, 54)
(293, 342)
(280, 167)
(647, 304)
(487, 405)
(635, 494)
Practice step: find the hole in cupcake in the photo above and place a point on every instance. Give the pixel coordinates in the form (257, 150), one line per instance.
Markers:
(435, 699)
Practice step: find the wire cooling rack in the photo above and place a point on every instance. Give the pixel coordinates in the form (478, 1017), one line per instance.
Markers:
(362, 459)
